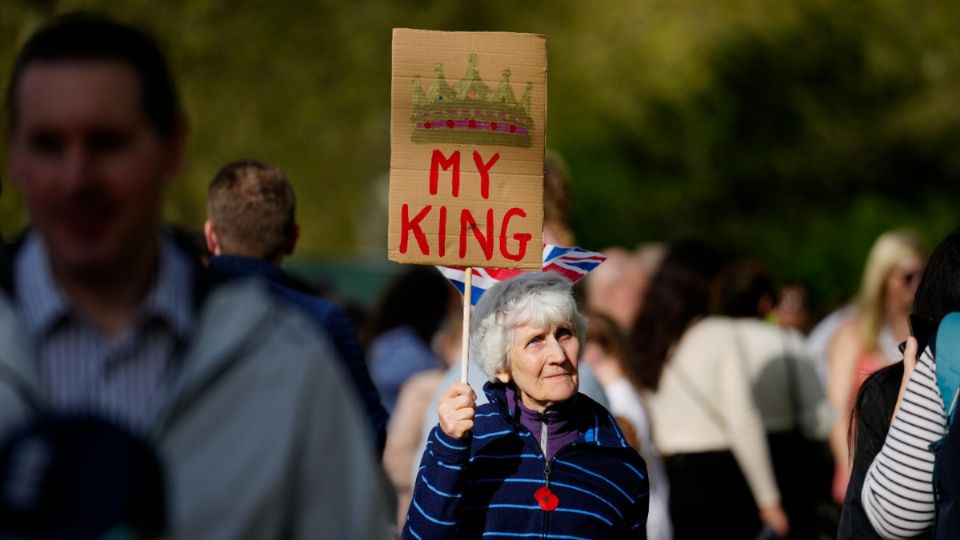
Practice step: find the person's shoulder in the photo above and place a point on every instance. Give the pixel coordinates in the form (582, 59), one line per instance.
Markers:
(756, 330)
(587, 404)
(599, 424)
(321, 308)
(491, 424)
(878, 396)
(706, 334)
(425, 383)
(849, 329)
(488, 410)
(241, 311)
(611, 451)
(713, 324)
(766, 337)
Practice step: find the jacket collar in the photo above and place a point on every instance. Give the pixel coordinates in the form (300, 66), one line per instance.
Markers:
(594, 422)
(18, 365)
(238, 265)
(225, 327)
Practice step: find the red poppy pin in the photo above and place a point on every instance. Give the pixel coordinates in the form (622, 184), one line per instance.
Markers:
(546, 499)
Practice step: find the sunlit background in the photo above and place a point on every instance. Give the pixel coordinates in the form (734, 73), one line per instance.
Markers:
(794, 131)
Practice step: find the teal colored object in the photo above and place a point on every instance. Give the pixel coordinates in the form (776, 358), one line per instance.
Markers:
(948, 363)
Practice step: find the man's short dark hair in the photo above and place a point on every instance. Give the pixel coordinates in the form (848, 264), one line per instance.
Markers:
(253, 209)
(89, 37)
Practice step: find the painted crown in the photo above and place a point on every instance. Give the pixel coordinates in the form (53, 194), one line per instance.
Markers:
(470, 112)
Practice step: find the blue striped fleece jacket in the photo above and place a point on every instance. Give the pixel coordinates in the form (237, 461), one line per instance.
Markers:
(486, 485)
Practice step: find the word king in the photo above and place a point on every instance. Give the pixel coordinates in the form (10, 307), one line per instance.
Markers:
(455, 230)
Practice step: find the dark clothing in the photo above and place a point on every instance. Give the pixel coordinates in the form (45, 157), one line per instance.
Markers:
(873, 412)
(492, 481)
(328, 316)
(804, 470)
(710, 498)
(94, 477)
(947, 478)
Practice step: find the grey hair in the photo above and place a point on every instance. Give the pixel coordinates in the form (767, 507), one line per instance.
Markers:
(537, 298)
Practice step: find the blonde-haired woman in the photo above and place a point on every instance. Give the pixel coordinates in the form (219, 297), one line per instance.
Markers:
(867, 340)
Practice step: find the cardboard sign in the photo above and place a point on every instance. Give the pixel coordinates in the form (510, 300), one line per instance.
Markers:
(466, 148)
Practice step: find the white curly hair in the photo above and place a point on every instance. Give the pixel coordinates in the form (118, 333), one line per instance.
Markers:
(537, 298)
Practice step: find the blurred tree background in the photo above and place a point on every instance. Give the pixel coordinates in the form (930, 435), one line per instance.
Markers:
(793, 131)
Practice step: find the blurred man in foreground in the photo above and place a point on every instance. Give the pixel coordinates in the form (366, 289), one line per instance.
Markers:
(104, 313)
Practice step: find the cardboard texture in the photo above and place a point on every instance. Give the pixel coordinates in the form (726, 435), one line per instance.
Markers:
(467, 132)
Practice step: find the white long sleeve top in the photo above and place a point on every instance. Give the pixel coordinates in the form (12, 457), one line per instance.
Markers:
(723, 416)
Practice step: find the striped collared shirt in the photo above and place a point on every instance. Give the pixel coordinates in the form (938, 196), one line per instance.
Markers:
(81, 370)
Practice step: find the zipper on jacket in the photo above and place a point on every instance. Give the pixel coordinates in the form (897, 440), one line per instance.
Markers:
(544, 435)
(544, 525)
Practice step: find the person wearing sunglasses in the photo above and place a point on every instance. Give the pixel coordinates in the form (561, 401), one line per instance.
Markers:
(867, 340)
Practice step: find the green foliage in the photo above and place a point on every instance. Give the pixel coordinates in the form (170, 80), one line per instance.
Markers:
(795, 133)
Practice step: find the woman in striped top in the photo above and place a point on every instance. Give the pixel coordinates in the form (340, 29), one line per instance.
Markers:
(898, 493)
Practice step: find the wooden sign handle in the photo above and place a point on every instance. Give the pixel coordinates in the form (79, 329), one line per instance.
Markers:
(465, 343)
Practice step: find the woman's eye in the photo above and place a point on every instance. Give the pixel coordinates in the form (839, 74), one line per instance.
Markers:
(564, 333)
(535, 340)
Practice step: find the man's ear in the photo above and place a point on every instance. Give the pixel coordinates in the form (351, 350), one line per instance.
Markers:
(292, 240)
(210, 235)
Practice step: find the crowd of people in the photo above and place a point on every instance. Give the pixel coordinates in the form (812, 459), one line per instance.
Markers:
(160, 384)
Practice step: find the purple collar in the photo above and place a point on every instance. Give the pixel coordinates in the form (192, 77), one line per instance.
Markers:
(553, 429)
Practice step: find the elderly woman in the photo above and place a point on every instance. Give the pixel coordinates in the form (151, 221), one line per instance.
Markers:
(539, 458)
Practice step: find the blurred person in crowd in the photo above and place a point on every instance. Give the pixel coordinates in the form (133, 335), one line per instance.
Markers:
(406, 424)
(791, 310)
(103, 312)
(606, 351)
(557, 201)
(699, 395)
(867, 340)
(821, 335)
(251, 226)
(897, 500)
(539, 458)
(650, 255)
(616, 287)
(787, 392)
(411, 310)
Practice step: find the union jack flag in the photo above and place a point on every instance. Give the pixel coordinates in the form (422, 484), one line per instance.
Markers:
(572, 263)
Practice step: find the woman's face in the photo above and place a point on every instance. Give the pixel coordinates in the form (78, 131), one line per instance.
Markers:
(542, 363)
(901, 284)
